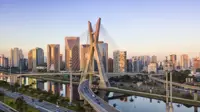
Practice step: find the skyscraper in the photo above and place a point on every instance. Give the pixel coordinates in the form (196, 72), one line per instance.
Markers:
(173, 59)
(196, 63)
(72, 45)
(84, 56)
(2, 60)
(37, 58)
(62, 65)
(119, 61)
(129, 65)
(184, 62)
(15, 55)
(154, 59)
(30, 60)
(110, 65)
(137, 64)
(53, 57)
(103, 48)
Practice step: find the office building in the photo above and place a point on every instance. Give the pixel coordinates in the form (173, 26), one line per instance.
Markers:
(30, 60)
(119, 61)
(84, 56)
(53, 57)
(6, 62)
(23, 64)
(184, 62)
(15, 55)
(35, 58)
(129, 65)
(196, 63)
(173, 59)
(152, 68)
(103, 48)
(62, 64)
(2, 60)
(72, 45)
(167, 65)
(110, 65)
(154, 59)
(137, 64)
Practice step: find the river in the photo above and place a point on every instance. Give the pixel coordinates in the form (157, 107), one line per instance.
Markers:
(141, 104)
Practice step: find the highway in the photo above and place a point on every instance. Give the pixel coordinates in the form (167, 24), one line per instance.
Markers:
(177, 84)
(6, 108)
(96, 102)
(42, 106)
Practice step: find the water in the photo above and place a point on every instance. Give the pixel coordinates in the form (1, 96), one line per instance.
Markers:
(141, 104)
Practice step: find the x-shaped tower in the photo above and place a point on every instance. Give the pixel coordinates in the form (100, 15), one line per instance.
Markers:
(94, 48)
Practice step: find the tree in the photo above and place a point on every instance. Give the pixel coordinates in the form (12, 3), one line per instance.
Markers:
(21, 105)
(1, 96)
(198, 70)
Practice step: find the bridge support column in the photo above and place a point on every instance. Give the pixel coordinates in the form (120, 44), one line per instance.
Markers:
(90, 79)
(195, 95)
(195, 109)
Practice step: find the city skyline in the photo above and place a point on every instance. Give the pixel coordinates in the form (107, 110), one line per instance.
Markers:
(134, 26)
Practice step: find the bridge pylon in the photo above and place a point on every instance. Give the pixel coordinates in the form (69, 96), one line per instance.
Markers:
(94, 49)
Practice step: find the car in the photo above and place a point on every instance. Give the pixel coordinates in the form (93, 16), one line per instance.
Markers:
(93, 95)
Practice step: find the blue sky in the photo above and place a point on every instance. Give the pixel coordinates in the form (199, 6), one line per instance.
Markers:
(141, 27)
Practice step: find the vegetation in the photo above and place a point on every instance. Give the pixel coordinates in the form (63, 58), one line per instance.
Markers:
(179, 76)
(127, 78)
(41, 95)
(17, 104)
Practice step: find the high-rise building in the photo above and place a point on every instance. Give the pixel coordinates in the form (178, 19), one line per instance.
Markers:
(30, 60)
(196, 63)
(184, 63)
(62, 65)
(72, 45)
(53, 57)
(15, 55)
(119, 61)
(35, 58)
(103, 48)
(152, 68)
(173, 59)
(129, 65)
(2, 60)
(154, 59)
(137, 64)
(84, 56)
(6, 62)
(110, 65)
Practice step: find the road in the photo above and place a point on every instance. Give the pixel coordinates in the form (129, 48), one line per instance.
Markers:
(177, 84)
(6, 108)
(42, 106)
(96, 102)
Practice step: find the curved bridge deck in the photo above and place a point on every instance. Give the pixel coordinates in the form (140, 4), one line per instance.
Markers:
(96, 102)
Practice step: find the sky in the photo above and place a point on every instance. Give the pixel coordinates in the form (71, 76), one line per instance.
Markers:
(141, 27)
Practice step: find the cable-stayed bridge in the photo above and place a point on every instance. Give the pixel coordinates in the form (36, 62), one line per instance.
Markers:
(97, 102)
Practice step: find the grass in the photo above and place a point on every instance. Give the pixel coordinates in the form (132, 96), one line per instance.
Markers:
(11, 102)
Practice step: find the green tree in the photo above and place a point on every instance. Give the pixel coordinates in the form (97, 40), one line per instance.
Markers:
(198, 70)
(1, 96)
(21, 105)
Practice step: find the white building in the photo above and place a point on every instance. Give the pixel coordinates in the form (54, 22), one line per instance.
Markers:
(119, 61)
(152, 67)
(15, 55)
